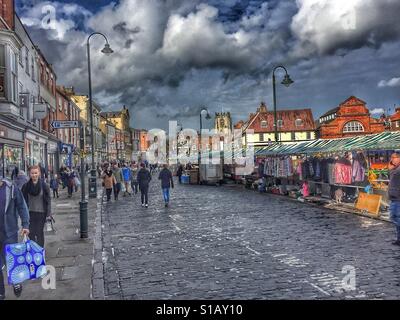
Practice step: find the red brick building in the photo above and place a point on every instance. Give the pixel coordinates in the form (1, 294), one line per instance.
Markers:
(350, 118)
(395, 120)
(293, 125)
(7, 16)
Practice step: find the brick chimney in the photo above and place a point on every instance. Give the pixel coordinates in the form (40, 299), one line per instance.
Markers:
(7, 12)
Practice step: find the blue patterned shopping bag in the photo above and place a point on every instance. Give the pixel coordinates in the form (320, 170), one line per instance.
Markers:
(25, 261)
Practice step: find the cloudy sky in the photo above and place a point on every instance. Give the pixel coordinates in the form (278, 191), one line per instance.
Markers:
(174, 56)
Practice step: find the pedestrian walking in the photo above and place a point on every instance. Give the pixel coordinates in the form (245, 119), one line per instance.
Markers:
(167, 182)
(126, 175)
(37, 196)
(118, 178)
(54, 185)
(12, 207)
(108, 182)
(394, 193)
(134, 182)
(179, 173)
(144, 178)
(21, 179)
(43, 172)
(70, 178)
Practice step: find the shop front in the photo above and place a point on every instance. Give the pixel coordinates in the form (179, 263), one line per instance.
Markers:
(67, 154)
(11, 150)
(35, 149)
(53, 156)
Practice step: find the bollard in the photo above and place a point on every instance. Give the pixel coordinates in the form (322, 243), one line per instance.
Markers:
(83, 212)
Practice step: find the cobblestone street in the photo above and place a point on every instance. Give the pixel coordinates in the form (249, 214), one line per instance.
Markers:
(231, 243)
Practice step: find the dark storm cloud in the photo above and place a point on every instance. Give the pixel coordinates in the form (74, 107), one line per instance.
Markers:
(173, 56)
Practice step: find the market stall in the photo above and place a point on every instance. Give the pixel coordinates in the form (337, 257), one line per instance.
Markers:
(337, 170)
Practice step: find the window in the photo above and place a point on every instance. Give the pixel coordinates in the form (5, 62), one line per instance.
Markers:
(20, 58)
(2, 71)
(27, 61)
(263, 124)
(299, 122)
(293, 136)
(308, 135)
(33, 69)
(20, 90)
(261, 137)
(14, 76)
(60, 103)
(65, 108)
(353, 126)
(397, 124)
(280, 123)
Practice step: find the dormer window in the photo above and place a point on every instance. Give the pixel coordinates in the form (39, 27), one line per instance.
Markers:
(280, 123)
(263, 124)
(299, 122)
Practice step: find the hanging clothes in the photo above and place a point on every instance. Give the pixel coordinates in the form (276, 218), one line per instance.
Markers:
(343, 172)
(359, 167)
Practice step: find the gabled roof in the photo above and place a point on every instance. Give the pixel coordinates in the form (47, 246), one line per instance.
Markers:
(356, 100)
(288, 117)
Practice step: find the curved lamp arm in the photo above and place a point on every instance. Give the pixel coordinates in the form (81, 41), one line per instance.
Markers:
(95, 33)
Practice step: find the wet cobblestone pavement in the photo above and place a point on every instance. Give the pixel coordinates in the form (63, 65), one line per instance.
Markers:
(231, 243)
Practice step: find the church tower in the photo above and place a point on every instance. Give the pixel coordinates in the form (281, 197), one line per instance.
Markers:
(223, 122)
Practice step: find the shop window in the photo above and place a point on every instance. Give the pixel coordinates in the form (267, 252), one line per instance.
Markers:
(353, 126)
(12, 160)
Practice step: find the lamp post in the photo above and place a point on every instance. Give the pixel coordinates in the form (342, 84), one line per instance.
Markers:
(107, 51)
(287, 82)
(208, 117)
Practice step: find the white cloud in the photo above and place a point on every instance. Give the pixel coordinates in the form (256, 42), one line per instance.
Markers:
(323, 26)
(377, 111)
(394, 82)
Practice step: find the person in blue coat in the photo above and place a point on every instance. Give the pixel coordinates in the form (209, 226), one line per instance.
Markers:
(126, 175)
(12, 207)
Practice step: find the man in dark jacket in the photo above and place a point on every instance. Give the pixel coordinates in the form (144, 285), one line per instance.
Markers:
(143, 179)
(166, 183)
(394, 193)
(12, 206)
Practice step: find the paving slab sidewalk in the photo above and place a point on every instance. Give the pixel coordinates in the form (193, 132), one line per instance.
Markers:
(70, 255)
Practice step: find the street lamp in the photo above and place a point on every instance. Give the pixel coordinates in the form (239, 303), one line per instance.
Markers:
(287, 81)
(208, 117)
(107, 51)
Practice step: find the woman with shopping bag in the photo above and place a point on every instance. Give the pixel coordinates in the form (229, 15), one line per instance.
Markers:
(12, 207)
(37, 196)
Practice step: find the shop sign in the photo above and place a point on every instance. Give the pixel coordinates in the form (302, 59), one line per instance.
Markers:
(40, 111)
(52, 147)
(24, 100)
(10, 133)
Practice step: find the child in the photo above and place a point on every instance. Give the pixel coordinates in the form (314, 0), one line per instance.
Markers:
(54, 185)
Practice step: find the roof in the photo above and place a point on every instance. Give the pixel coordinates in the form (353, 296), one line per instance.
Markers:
(288, 118)
(380, 141)
(332, 111)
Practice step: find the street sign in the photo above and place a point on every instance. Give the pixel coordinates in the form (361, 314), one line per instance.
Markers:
(61, 124)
